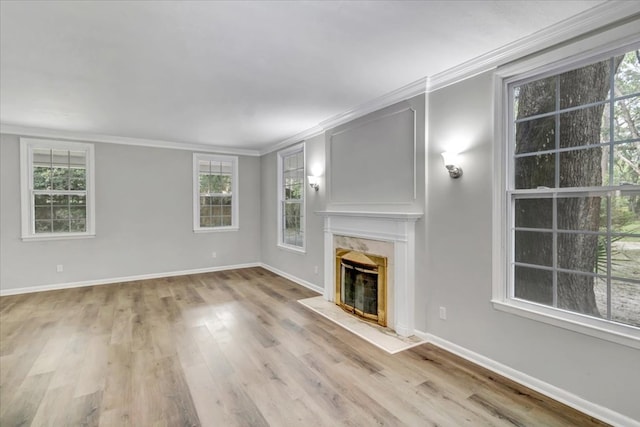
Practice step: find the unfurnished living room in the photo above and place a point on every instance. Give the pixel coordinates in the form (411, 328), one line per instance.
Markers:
(320, 213)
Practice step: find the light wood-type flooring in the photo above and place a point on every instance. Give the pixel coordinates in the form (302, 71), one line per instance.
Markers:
(231, 348)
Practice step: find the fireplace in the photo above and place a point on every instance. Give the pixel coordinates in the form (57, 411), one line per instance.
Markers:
(361, 284)
(389, 234)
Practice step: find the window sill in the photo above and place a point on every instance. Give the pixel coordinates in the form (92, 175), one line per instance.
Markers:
(620, 334)
(39, 238)
(215, 229)
(293, 249)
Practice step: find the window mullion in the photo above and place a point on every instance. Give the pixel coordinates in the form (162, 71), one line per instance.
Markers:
(51, 217)
(554, 221)
(50, 169)
(574, 148)
(554, 225)
(608, 251)
(567, 110)
(557, 135)
(612, 82)
(69, 205)
(68, 171)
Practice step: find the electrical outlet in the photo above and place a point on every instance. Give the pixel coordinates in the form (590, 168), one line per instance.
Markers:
(214, 255)
(59, 268)
(443, 313)
(315, 269)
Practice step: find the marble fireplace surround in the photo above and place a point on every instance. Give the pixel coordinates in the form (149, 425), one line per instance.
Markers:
(394, 231)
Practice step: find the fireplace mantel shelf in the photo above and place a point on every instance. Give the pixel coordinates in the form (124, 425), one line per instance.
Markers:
(403, 216)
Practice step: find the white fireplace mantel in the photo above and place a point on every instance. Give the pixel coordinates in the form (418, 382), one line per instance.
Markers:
(395, 227)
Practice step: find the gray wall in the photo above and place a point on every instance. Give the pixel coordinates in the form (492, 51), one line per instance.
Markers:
(143, 221)
(458, 276)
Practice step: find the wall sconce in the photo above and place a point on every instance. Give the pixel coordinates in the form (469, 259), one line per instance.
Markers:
(314, 182)
(451, 163)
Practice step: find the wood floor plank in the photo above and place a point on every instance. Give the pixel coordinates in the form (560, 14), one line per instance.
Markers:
(93, 369)
(206, 393)
(187, 349)
(48, 413)
(20, 407)
(51, 356)
(345, 382)
(177, 407)
(232, 348)
(85, 410)
(13, 370)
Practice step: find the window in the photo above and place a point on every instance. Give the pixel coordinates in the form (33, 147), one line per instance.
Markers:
(57, 189)
(291, 175)
(215, 192)
(573, 192)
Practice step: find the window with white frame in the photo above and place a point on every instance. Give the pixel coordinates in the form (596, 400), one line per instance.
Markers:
(291, 192)
(57, 180)
(215, 186)
(573, 192)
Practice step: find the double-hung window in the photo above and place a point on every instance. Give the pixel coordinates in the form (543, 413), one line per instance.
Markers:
(573, 192)
(215, 187)
(57, 179)
(291, 192)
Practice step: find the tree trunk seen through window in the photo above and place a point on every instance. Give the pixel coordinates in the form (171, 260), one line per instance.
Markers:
(577, 168)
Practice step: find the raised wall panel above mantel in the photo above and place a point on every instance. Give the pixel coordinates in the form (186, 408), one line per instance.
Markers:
(373, 160)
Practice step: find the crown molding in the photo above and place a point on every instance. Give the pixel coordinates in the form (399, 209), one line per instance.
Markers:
(412, 89)
(599, 16)
(299, 137)
(405, 92)
(109, 139)
(602, 15)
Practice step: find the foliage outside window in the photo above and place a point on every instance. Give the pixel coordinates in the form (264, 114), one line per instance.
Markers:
(291, 194)
(574, 190)
(57, 189)
(216, 198)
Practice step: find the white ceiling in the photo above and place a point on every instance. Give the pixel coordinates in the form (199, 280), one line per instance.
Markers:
(240, 74)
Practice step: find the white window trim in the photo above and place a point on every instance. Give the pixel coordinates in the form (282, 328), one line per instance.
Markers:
(27, 146)
(576, 54)
(281, 154)
(235, 193)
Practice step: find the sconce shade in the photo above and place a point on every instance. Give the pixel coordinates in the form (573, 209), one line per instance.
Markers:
(449, 158)
(314, 182)
(451, 163)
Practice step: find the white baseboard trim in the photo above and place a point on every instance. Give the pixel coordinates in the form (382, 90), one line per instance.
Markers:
(108, 281)
(293, 278)
(57, 286)
(562, 396)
